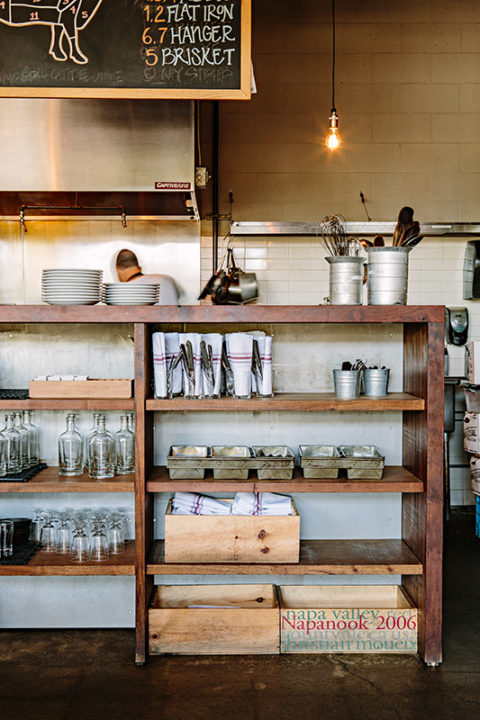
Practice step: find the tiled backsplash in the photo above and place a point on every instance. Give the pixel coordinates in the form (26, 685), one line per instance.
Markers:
(293, 271)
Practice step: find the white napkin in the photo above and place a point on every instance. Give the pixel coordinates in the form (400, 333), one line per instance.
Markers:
(194, 338)
(215, 340)
(261, 504)
(265, 349)
(172, 348)
(159, 364)
(239, 351)
(193, 504)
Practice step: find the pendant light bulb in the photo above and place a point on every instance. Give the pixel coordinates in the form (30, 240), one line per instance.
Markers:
(333, 138)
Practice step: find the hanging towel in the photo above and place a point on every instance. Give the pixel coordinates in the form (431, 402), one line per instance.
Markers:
(192, 504)
(159, 364)
(261, 504)
(239, 352)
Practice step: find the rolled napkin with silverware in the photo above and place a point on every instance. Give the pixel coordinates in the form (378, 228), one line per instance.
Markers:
(262, 363)
(263, 503)
(239, 347)
(185, 503)
(192, 367)
(211, 359)
(174, 366)
(159, 364)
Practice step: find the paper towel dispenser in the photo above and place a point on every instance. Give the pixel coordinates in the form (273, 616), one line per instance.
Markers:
(456, 325)
(471, 270)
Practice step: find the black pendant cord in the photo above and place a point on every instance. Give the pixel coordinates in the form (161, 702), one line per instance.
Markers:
(333, 55)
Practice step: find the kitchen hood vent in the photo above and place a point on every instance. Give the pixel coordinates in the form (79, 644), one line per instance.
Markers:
(97, 158)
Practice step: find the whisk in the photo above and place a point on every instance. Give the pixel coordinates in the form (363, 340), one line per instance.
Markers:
(334, 238)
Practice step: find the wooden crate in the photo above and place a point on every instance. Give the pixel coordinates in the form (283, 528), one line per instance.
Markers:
(231, 538)
(347, 619)
(243, 620)
(81, 389)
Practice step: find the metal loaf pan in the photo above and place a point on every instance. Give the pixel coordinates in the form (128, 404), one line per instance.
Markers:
(320, 462)
(273, 462)
(188, 462)
(231, 462)
(363, 462)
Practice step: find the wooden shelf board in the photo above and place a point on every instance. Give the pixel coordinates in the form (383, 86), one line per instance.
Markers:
(395, 479)
(68, 404)
(222, 314)
(49, 481)
(43, 563)
(300, 402)
(317, 557)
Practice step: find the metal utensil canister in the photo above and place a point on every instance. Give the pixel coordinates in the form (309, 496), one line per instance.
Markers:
(346, 280)
(375, 382)
(347, 384)
(387, 275)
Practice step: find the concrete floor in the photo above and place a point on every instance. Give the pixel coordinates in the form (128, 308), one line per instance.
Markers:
(90, 675)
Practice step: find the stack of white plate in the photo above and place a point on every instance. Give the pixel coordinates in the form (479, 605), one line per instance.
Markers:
(130, 293)
(71, 287)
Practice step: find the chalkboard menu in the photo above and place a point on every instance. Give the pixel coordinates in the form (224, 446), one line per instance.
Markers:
(125, 48)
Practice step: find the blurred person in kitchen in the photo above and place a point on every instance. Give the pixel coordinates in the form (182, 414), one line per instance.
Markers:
(129, 270)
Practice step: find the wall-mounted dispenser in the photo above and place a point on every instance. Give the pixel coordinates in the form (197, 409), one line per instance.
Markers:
(456, 325)
(471, 270)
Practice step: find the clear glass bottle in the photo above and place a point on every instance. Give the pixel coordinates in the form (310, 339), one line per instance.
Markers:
(89, 436)
(3, 455)
(70, 450)
(24, 441)
(124, 448)
(12, 446)
(101, 453)
(34, 438)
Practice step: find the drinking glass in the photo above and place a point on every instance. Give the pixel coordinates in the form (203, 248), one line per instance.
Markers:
(6, 538)
(63, 537)
(12, 446)
(47, 537)
(99, 544)
(70, 450)
(116, 540)
(124, 448)
(101, 453)
(24, 441)
(80, 547)
(34, 437)
(36, 526)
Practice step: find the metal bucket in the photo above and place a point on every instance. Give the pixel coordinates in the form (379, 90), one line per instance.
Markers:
(387, 275)
(347, 384)
(375, 382)
(346, 280)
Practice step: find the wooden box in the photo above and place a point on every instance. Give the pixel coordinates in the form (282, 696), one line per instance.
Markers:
(214, 620)
(231, 538)
(347, 619)
(81, 389)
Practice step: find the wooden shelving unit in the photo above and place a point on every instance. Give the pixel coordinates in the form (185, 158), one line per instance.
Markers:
(395, 479)
(417, 556)
(49, 481)
(43, 563)
(317, 557)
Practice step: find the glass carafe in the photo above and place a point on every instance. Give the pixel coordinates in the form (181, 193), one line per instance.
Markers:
(12, 446)
(124, 448)
(34, 438)
(24, 441)
(70, 450)
(89, 436)
(101, 453)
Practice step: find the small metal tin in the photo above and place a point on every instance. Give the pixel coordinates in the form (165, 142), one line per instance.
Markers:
(188, 462)
(274, 462)
(231, 462)
(363, 462)
(319, 462)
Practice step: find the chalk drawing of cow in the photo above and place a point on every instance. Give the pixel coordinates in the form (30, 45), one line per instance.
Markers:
(65, 17)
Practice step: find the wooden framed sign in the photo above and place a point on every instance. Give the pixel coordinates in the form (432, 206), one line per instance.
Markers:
(198, 49)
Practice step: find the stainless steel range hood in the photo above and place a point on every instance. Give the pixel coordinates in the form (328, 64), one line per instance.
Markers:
(95, 157)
